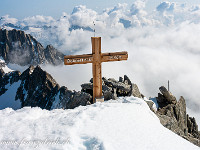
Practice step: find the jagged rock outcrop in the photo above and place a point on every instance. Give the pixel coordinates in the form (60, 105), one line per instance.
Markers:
(38, 88)
(67, 99)
(20, 48)
(165, 98)
(172, 115)
(112, 88)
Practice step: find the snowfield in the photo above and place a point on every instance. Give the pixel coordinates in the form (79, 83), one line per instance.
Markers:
(123, 124)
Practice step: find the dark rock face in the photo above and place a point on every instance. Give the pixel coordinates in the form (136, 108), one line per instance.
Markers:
(112, 88)
(172, 115)
(38, 88)
(8, 78)
(165, 98)
(67, 99)
(2, 64)
(20, 48)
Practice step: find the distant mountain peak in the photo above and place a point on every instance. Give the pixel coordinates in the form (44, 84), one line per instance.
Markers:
(22, 49)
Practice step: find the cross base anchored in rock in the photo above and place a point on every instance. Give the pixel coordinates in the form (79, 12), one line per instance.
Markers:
(96, 58)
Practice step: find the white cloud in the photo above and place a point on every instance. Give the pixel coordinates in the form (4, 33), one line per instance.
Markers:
(137, 8)
(7, 19)
(82, 16)
(38, 20)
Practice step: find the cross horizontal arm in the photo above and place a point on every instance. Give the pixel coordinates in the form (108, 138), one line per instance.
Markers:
(116, 56)
(78, 59)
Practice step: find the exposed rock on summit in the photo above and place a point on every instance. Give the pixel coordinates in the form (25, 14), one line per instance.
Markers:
(165, 98)
(112, 88)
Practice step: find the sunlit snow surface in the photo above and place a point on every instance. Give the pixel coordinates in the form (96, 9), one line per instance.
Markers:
(5, 68)
(123, 124)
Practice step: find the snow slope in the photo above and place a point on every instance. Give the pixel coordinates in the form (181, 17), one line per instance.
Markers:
(5, 69)
(123, 124)
(8, 98)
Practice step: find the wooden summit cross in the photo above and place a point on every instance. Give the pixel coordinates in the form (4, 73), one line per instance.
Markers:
(96, 58)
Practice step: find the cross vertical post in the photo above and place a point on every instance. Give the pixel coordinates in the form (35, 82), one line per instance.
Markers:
(96, 68)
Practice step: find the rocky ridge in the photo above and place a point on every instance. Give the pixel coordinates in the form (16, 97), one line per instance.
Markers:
(172, 115)
(38, 88)
(112, 88)
(22, 49)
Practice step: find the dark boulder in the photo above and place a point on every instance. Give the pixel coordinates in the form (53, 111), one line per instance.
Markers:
(165, 97)
(67, 99)
(112, 88)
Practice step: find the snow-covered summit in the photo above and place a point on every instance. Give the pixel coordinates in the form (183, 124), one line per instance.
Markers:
(126, 123)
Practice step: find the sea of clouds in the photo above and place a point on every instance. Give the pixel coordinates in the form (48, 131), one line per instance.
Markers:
(163, 44)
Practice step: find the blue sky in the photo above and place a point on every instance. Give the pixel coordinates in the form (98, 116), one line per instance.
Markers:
(54, 8)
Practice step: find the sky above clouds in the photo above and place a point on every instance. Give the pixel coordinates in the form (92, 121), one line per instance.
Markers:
(25, 8)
